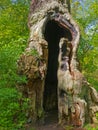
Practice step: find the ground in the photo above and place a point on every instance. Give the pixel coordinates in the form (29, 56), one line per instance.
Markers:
(53, 126)
(51, 123)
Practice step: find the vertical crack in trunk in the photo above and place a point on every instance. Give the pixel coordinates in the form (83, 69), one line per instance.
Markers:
(53, 33)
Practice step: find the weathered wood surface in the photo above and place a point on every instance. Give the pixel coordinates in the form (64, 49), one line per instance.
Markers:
(77, 100)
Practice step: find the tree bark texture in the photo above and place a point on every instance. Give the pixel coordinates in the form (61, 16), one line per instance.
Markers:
(51, 67)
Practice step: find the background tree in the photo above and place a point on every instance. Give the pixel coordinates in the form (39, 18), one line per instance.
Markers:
(86, 12)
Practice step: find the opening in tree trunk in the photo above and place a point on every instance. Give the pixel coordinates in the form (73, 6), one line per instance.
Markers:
(53, 33)
(54, 36)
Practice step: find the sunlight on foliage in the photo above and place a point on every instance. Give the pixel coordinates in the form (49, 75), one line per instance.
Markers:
(86, 15)
(13, 40)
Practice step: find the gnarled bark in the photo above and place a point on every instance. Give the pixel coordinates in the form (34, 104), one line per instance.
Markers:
(51, 66)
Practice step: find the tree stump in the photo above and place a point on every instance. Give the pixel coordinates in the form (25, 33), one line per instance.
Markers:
(51, 67)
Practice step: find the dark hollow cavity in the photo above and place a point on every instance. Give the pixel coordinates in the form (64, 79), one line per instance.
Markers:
(53, 32)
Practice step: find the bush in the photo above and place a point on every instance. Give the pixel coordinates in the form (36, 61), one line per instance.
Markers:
(12, 112)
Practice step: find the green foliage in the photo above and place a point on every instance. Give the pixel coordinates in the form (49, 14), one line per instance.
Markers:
(97, 115)
(12, 114)
(13, 39)
(33, 52)
(13, 20)
(89, 127)
(85, 13)
(8, 64)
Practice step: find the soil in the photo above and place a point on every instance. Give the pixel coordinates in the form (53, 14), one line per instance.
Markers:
(51, 123)
(53, 126)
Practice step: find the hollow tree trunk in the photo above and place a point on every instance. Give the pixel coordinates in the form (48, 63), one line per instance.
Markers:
(51, 67)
